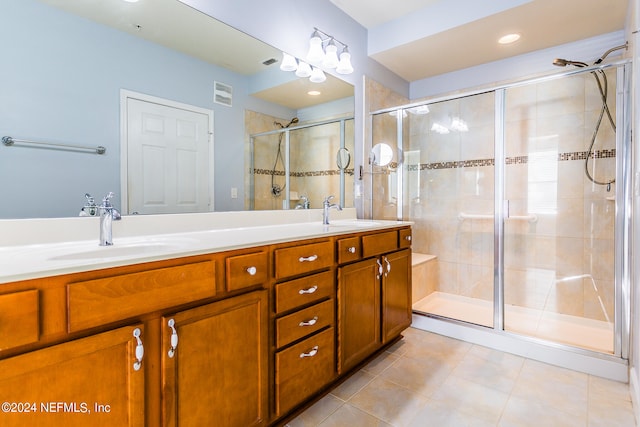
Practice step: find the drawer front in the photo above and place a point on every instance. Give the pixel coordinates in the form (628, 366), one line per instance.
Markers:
(405, 238)
(96, 302)
(379, 243)
(299, 292)
(303, 259)
(303, 369)
(349, 249)
(246, 270)
(19, 319)
(304, 322)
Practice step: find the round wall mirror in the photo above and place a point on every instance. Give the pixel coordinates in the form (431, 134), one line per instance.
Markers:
(343, 158)
(381, 154)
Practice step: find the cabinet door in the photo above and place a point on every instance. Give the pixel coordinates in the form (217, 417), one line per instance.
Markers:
(359, 312)
(217, 372)
(87, 382)
(396, 294)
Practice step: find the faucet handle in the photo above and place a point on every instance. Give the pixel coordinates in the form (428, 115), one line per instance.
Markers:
(328, 199)
(106, 201)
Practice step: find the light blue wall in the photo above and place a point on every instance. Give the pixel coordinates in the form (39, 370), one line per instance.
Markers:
(60, 81)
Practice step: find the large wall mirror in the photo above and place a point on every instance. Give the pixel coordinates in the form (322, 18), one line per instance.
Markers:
(123, 76)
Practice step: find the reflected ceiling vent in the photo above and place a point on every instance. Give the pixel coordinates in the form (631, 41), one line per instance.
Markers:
(223, 94)
(269, 61)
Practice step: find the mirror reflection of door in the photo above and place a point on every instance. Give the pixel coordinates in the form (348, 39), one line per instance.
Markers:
(169, 162)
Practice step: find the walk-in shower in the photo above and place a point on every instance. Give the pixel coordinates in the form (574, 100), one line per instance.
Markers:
(509, 234)
(277, 189)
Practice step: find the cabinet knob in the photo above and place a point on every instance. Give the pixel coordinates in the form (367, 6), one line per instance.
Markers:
(308, 259)
(309, 322)
(310, 353)
(351, 250)
(252, 270)
(174, 338)
(139, 349)
(308, 290)
(407, 238)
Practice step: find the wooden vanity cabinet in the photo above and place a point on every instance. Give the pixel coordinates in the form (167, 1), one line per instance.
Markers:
(304, 319)
(374, 297)
(95, 381)
(215, 364)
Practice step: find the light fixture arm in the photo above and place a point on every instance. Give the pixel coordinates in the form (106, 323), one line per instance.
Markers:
(325, 37)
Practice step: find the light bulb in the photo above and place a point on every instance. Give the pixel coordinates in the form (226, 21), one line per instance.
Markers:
(304, 69)
(344, 66)
(317, 75)
(331, 56)
(289, 63)
(315, 53)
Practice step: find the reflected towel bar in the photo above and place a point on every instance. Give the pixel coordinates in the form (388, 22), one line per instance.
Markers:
(9, 141)
(531, 218)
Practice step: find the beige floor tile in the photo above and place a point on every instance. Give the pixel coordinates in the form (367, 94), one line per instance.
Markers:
(436, 415)
(459, 395)
(380, 363)
(350, 416)
(351, 386)
(321, 410)
(389, 402)
(562, 389)
(498, 376)
(527, 413)
(605, 412)
(601, 387)
(420, 376)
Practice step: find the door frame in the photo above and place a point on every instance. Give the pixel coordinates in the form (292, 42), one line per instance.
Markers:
(125, 95)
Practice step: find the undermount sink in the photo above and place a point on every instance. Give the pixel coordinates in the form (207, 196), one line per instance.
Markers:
(126, 249)
(360, 223)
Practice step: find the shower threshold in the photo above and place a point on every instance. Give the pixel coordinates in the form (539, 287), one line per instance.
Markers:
(567, 329)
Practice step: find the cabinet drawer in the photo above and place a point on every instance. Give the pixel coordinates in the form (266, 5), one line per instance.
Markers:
(299, 292)
(379, 243)
(19, 319)
(95, 302)
(304, 369)
(405, 238)
(246, 270)
(304, 322)
(349, 249)
(303, 259)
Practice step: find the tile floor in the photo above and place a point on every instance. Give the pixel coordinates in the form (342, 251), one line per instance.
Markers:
(431, 380)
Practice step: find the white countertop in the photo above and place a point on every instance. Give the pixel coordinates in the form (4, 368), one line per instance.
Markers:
(41, 254)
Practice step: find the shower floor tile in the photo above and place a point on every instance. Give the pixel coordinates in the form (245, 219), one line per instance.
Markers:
(562, 328)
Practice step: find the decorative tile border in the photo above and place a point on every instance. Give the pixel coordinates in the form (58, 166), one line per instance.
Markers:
(515, 160)
(302, 174)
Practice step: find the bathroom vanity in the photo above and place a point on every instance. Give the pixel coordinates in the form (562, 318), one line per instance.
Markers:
(228, 327)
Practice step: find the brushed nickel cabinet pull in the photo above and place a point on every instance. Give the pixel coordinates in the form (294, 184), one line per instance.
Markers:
(308, 290)
(309, 322)
(310, 353)
(308, 259)
(174, 338)
(139, 349)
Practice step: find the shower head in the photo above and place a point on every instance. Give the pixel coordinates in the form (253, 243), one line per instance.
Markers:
(293, 121)
(564, 62)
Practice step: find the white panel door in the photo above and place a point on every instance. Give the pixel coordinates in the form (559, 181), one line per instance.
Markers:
(168, 159)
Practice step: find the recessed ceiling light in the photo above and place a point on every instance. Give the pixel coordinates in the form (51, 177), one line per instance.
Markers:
(131, 1)
(509, 38)
(314, 92)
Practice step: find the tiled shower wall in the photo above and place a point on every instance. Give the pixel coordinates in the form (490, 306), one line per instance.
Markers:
(559, 255)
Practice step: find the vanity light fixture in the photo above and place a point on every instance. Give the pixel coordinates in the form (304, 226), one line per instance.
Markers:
(317, 75)
(304, 69)
(289, 63)
(328, 56)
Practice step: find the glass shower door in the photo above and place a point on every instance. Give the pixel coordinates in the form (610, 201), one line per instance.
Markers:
(448, 186)
(559, 226)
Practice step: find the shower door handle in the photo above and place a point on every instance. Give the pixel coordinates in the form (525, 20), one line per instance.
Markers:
(505, 207)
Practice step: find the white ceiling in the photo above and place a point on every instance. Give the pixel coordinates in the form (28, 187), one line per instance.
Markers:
(422, 52)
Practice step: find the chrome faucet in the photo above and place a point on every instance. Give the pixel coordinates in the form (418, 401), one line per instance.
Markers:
(304, 203)
(326, 206)
(108, 214)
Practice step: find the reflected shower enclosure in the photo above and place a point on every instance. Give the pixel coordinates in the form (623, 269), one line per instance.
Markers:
(517, 204)
(297, 165)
